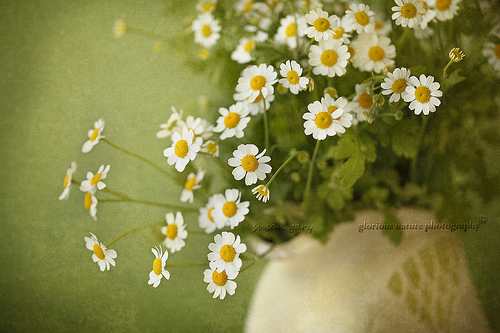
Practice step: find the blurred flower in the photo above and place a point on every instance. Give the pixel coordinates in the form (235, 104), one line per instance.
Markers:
(249, 163)
(192, 183)
(211, 147)
(362, 102)
(226, 252)
(242, 53)
(492, 52)
(205, 218)
(90, 203)
(206, 30)
(159, 270)
(232, 122)
(206, 6)
(219, 283)
(229, 211)
(120, 28)
(102, 256)
(94, 136)
(94, 182)
(395, 84)
(173, 124)
(423, 94)
(175, 232)
(373, 53)
(445, 9)
(290, 28)
(67, 181)
(183, 149)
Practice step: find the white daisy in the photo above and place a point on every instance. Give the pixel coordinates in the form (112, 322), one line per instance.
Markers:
(445, 9)
(291, 73)
(192, 183)
(492, 52)
(232, 122)
(360, 18)
(342, 117)
(290, 28)
(408, 13)
(320, 123)
(373, 53)
(197, 126)
(102, 256)
(183, 149)
(94, 182)
(94, 136)
(308, 5)
(422, 94)
(242, 53)
(257, 106)
(329, 58)
(249, 163)
(206, 6)
(173, 124)
(261, 192)
(341, 32)
(206, 30)
(90, 203)
(67, 181)
(322, 24)
(219, 283)
(382, 27)
(205, 218)
(159, 270)
(210, 147)
(229, 211)
(428, 16)
(362, 102)
(175, 232)
(244, 6)
(226, 252)
(255, 80)
(395, 84)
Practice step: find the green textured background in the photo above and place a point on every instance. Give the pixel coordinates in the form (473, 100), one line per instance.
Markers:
(61, 70)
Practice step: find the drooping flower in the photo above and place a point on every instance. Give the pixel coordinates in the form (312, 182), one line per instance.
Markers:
(159, 270)
(232, 122)
(261, 192)
(291, 73)
(94, 182)
(183, 149)
(329, 58)
(175, 232)
(226, 252)
(249, 164)
(229, 211)
(395, 84)
(422, 94)
(67, 181)
(94, 136)
(101, 255)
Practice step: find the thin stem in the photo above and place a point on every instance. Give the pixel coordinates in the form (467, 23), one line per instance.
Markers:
(183, 265)
(152, 203)
(445, 69)
(116, 193)
(266, 125)
(281, 167)
(310, 174)
(145, 160)
(134, 230)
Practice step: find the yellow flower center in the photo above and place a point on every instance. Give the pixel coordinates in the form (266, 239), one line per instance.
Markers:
(94, 135)
(229, 209)
(206, 31)
(249, 46)
(208, 6)
(157, 266)
(209, 213)
(321, 24)
(212, 147)
(408, 10)
(291, 30)
(248, 7)
(87, 201)
(99, 253)
(66, 178)
(399, 86)
(231, 120)
(257, 82)
(249, 163)
(376, 53)
(227, 253)
(190, 183)
(338, 33)
(96, 179)
(329, 58)
(263, 190)
(425, 4)
(323, 120)
(292, 77)
(422, 94)
(378, 25)
(362, 18)
(331, 109)
(496, 50)
(219, 279)
(181, 148)
(171, 231)
(443, 4)
(365, 101)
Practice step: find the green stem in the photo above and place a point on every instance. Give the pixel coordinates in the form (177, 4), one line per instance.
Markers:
(152, 203)
(183, 265)
(309, 176)
(445, 69)
(280, 168)
(116, 193)
(134, 230)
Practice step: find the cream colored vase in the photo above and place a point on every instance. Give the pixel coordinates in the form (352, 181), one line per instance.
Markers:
(361, 282)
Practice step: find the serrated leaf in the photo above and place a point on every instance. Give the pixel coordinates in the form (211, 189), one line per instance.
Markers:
(345, 148)
(352, 170)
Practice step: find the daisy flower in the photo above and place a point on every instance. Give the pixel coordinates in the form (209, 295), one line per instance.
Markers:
(428, 16)
(337, 108)
(320, 123)
(173, 124)
(158, 267)
(395, 84)
(291, 73)
(206, 30)
(94, 182)
(226, 252)
(254, 81)
(261, 192)
(94, 136)
(340, 33)
(219, 283)
(290, 28)
(360, 18)
(67, 181)
(242, 52)
(175, 232)
(382, 27)
(249, 163)
(232, 122)
(90, 203)
(408, 13)
(197, 126)
(492, 52)
(206, 6)
(229, 211)
(102, 256)
(120, 28)
(422, 94)
(244, 6)
(329, 58)
(183, 149)
(445, 9)
(192, 183)
(210, 147)
(362, 102)
(322, 24)
(373, 53)
(205, 219)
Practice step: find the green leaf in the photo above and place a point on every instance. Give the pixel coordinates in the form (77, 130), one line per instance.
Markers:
(345, 148)
(392, 227)
(403, 139)
(352, 170)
